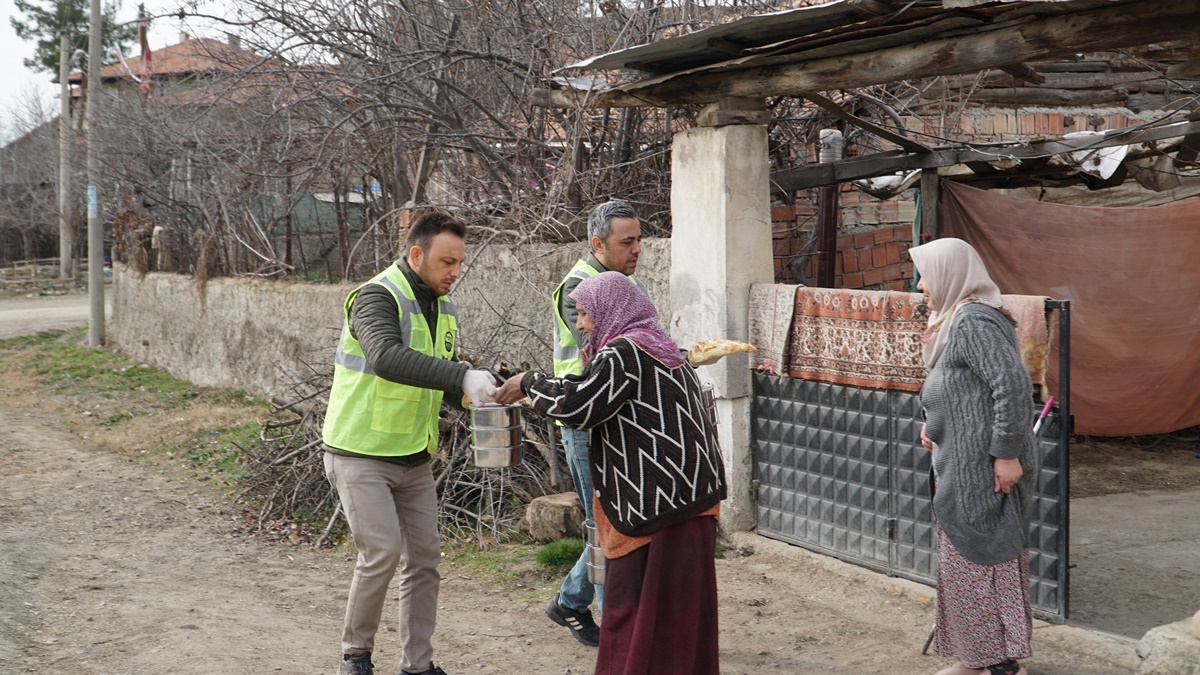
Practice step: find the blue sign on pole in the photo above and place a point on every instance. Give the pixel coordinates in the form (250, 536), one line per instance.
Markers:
(92, 205)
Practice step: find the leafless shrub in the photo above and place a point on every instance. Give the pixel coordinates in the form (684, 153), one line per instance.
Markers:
(286, 481)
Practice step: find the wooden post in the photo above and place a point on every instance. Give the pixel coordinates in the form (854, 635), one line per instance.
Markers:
(828, 206)
(930, 195)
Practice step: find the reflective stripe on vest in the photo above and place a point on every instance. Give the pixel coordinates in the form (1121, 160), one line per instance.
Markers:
(567, 358)
(373, 416)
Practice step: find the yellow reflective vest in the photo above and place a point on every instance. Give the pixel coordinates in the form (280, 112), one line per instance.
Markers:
(567, 360)
(369, 415)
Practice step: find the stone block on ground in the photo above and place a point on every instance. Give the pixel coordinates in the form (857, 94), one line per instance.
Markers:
(554, 517)
(1170, 650)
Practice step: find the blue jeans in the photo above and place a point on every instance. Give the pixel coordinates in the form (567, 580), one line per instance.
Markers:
(577, 591)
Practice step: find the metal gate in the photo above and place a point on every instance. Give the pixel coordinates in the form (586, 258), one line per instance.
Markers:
(838, 469)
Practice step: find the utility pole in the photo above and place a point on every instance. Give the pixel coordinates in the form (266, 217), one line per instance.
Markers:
(95, 229)
(66, 243)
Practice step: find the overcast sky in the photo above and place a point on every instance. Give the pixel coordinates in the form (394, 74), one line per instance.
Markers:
(18, 83)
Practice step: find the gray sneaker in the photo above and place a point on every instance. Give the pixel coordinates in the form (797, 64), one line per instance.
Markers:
(358, 664)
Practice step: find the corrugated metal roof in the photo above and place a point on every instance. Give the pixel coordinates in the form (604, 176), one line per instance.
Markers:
(821, 31)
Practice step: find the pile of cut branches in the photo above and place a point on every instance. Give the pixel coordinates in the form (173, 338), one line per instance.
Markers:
(286, 480)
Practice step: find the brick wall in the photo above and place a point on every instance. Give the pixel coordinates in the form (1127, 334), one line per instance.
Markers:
(868, 257)
(873, 234)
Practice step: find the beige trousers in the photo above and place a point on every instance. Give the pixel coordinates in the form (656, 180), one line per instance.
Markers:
(392, 511)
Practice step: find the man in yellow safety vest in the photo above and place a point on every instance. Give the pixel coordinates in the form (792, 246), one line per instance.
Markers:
(616, 242)
(395, 361)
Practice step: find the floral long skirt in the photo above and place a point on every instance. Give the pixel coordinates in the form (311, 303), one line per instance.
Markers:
(983, 611)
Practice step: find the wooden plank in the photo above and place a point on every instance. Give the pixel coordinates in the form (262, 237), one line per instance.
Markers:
(1074, 67)
(729, 111)
(886, 163)
(1023, 72)
(930, 200)
(871, 7)
(1186, 69)
(1061, 80)
(1041, 97)
(1036, 38)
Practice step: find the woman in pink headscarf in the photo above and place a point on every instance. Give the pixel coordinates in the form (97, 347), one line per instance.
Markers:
(978, 403)
(659, 480)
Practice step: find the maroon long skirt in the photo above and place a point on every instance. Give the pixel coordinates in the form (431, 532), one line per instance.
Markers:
(660, 605)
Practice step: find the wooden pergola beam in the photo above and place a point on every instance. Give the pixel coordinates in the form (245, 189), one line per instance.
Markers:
(1024, 72)
(1046, 97)
(1038, 38)
(884, 163)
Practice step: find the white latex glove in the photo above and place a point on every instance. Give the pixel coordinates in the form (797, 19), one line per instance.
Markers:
(479, 386)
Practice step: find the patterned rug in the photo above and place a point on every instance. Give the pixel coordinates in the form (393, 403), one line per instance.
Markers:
(1034, 335)
(862, 338)
(771, 309)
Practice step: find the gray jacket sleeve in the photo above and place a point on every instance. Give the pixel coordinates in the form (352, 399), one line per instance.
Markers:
(568, 311)
(375, 324)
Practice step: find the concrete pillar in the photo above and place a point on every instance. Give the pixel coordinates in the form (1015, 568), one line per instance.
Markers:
(720, 245)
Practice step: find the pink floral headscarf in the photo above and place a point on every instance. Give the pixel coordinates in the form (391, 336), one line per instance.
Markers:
(620, 309)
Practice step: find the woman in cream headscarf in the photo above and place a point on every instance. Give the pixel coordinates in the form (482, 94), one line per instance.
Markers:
(978, 403)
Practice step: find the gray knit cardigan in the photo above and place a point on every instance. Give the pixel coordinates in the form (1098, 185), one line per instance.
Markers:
(978, 402)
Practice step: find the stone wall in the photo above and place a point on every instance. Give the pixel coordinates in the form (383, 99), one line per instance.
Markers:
(247, 333)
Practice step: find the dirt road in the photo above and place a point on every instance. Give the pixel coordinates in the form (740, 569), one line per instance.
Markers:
(21, 314)
(111, 565)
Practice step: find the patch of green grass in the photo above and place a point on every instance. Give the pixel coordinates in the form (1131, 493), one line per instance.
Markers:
(115, 419)
(506, 564)
(217, 453)
(560, 556)
(71, 368)
(26, 341)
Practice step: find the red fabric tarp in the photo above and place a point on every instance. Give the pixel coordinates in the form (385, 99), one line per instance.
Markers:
(1133, 278)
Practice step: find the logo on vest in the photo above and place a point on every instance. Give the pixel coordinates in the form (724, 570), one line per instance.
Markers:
(449, 341)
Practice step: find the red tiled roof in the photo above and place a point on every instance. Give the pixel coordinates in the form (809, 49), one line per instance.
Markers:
(192, 55)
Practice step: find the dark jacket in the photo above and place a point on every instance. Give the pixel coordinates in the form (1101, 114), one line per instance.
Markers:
(978, 402)
(654, 454)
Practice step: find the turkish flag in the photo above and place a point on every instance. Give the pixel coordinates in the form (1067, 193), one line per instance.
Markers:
(146, 58)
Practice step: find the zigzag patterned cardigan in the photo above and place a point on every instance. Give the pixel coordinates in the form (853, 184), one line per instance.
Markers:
(654, 454)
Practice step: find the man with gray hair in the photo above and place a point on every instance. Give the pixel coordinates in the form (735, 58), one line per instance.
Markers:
(616, 242)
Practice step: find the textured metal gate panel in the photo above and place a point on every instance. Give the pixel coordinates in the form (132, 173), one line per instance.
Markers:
(821, 455)
(838, 470)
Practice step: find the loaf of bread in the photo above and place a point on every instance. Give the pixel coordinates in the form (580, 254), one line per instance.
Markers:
(706, 352)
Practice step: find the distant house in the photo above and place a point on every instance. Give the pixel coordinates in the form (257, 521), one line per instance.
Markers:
(175, 69)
